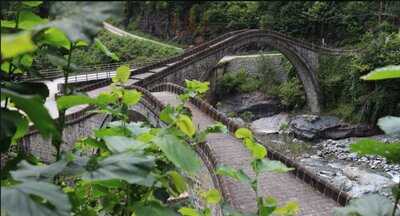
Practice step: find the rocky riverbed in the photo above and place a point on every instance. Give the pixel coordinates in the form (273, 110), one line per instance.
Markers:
(328, 158)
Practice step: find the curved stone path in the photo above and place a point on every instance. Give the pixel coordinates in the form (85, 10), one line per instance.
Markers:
(230, 151)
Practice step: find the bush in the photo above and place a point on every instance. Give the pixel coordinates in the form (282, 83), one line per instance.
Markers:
(291, 94)
(126, 48)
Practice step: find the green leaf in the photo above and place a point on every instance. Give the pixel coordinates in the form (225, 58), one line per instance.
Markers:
(28, 88)
(168, 114)
(290, 208)
(178, 152)
(390, 151)
(81, 43)
(105, 98)
(27, 20)
(131, 97)
(212, 196)
(368, 205)
(105, 50)
(243, 133)
(153, 209)
(29, 172)
(129, 166)
(185, 211)
(120, 144)
(9, 126)
(22, 128)
(32, 3)
(185, 124)
(137, 128)
(55, 37)
(257, 150)
(388, 72)
(268, 206)
(123, 74)
(26, 60)
(197, 86)
(5, 67)
(35, 110)
(217, 128)
(61, 61)
(270, 166)
(17, 200)
(16, 44)
(238, 175)
(114, 131)
(178, 180)
(65, 102)
(390, 125)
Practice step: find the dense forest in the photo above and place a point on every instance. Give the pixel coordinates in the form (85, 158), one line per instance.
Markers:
(55, 162)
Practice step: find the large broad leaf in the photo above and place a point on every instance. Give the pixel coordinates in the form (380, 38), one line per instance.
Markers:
(185, 124)
(390, 151)
(22, 128)
(82, 20)
(211, 196)
(290, 208)
(178, 152)
(238, 175)
(131, 167)
(368, 205)
(105, 50)
(389, 72)
(261, 165)
(29, 172)
(242, 133)
(120, 144)
(178, 181)
(65, 102)
(27, 20)
(35, 110)
(123, 74)
(131, 97)
(55, 37)
(167, 114)
(16, 44)
(17, 200)
(28, 88)
(9, 124)
(153, 209)
(257, 150)
(390, 125)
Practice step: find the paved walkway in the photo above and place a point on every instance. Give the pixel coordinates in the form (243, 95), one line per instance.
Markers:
(230, 151)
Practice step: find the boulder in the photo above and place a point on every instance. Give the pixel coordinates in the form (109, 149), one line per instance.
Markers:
(256, 103)
(312, 127)
(269, 125)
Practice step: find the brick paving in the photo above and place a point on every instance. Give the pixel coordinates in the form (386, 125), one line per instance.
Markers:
(230, 151)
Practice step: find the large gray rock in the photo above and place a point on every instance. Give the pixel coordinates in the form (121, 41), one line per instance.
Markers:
(327, 127)
(256, 103)
(269, 125)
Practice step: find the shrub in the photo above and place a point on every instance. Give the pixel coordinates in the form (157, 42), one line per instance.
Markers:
(291, 94)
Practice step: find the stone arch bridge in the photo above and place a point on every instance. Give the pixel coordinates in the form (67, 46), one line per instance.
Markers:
(199, 62)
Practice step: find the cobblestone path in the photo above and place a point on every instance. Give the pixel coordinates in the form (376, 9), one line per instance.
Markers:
(230, 151)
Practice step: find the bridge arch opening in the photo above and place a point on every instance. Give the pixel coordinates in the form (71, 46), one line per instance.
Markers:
(304, 61)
